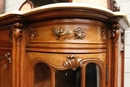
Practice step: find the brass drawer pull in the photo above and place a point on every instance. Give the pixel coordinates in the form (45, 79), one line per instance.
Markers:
(78, 33)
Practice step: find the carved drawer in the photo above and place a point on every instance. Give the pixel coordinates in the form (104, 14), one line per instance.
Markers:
(67, 31)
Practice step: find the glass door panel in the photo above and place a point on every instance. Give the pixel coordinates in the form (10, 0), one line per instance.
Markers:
(68, 78)
(92, 75)
(42, 75)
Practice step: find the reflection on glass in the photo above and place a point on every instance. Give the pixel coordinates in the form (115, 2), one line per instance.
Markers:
(92, 75)
(68, 78)
(44, 2)
(42, 75)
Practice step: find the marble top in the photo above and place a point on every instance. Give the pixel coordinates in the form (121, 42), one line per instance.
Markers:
(65, 6)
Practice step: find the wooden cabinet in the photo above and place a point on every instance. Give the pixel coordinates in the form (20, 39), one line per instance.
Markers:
(60, 45)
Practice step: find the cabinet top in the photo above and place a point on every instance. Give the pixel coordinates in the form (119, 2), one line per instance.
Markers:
(64, 10)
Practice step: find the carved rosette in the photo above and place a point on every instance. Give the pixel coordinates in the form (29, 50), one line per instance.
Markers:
(79, 34)
(72, 62)
(115, 31)
(32, 32)
(18, 29)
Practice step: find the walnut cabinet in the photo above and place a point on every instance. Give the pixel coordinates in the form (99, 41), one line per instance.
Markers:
(60, 45)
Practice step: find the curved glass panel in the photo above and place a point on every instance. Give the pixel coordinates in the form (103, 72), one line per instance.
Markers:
(92, 75)
(42, 75)
(68, 78)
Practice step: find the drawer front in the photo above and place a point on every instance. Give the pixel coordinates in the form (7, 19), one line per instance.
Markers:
(5, 36)
(67, 31)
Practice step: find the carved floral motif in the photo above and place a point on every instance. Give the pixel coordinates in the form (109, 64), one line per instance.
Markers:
(7, 58)
(79, 34)
(32, 32)
(11, 34)
(58, 32)
(104, 34)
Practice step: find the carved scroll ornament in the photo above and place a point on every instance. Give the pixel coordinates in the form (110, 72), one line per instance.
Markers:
(18, 29)
(115, 6)
(72, 62)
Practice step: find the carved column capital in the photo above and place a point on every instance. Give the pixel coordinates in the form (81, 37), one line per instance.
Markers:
(18, 29)
(114, 31)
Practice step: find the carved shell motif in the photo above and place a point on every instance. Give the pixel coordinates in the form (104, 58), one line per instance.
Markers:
(72, 62)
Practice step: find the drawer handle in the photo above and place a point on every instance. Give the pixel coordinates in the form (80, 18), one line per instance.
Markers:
(58, 32)
(78, 33)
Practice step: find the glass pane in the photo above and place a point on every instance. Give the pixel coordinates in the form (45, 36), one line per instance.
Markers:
(68, 78)
(92, 75)
(42, 75)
